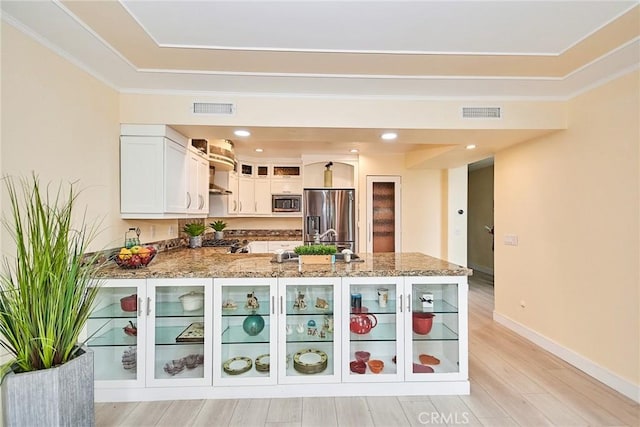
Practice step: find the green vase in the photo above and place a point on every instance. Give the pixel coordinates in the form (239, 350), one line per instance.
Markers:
(253, 324)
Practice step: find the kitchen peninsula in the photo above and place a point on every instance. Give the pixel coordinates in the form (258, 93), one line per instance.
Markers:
(211, 325)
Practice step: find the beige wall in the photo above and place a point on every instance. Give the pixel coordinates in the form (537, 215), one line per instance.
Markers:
(573, 201)
(480, 255)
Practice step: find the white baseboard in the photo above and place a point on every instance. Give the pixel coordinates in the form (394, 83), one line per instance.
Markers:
(621, 385)
(481, 268)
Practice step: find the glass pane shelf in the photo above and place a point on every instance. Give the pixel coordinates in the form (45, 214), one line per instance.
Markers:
(372, 306)
(166, 335)
(174, 309)
(304, 337)
(439, 331)
(382, 332)
(112, 311)
(237, 335)
(311, 310)
(439, 306)
(263, 310)
(108, 365)
(112, 337)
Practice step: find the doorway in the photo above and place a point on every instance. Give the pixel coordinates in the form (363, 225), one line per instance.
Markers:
(383, 213)
(480, 226)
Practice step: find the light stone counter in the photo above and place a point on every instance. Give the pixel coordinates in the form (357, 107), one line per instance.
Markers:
(204, 262)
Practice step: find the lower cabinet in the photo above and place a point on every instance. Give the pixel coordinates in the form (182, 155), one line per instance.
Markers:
(206, 338)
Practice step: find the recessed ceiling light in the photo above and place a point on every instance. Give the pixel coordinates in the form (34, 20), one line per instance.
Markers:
(259, 150)
(389, 136)
(353, 150)
(471, 146)
(242, 132)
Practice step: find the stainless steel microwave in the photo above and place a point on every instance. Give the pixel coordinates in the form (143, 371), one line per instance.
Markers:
(286, 203)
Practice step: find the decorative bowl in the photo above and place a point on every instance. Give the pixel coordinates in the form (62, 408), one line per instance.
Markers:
(192, 301)
(358, 367)
(427, 359)
(138, 260)
(422, 369)
(422, 322)
(362, 356)
(376, 366)
(129, 303)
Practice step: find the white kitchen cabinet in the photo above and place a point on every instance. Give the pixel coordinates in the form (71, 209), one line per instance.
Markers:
(153, 174)
(118, 357)
(179, 340)
(245, 330)
(286, 185)
(198, 184)
(309, 344)
(262, 196)
(246, 196)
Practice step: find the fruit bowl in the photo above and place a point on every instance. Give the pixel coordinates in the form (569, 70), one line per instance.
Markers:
(135, 257)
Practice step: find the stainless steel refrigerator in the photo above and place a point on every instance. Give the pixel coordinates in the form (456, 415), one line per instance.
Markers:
(330, 208)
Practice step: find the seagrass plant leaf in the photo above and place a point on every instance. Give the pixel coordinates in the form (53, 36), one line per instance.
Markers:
(46, 290)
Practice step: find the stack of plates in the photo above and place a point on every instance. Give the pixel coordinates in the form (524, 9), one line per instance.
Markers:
(237, 365)
(310, 361)
(262, 363)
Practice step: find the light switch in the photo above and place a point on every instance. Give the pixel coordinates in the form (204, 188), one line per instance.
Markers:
(510, 239)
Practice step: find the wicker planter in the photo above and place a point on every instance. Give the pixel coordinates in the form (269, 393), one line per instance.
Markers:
(61, 396)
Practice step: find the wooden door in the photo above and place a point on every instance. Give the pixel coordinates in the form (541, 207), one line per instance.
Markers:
(383, 214)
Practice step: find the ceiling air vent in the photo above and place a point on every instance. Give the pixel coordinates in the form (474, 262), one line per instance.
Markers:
(481, 113)
(213, 108)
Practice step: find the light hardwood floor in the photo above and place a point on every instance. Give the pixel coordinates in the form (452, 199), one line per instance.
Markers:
(513, 382)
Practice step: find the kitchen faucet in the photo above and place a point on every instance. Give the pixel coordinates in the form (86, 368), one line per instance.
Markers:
(317, 236)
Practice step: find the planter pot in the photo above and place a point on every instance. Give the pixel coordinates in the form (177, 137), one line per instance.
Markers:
(218, 235)
(61, 396)
(317, 259)
(195, 241)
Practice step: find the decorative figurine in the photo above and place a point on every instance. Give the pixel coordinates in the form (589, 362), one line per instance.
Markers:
(312, 330)
(229, 305)
(300, 328)
(252, 301)
(322, 304)
(327, 325)
(300, 303)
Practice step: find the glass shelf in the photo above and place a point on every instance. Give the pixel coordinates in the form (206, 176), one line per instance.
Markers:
(174, 309)
(113, 311)
(263, 310)
(439, 306)
(304, 337)
(112, 337)
(374, 308)
(382, 332)
(439, 331)
(237, 335)
(311, 310)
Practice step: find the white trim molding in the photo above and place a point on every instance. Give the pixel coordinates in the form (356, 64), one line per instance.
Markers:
(600, 373)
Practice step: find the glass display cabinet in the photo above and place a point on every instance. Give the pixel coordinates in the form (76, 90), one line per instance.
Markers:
(179, 325)
(245, 330)
(436, 328)
(309, 350)
(373, 350)
(116, 333)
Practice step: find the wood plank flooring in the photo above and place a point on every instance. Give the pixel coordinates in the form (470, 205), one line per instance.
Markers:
(513, 383)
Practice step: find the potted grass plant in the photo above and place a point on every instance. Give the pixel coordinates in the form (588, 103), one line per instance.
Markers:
(47, 293)
(195, 230)
(316, 254)
(218, 226)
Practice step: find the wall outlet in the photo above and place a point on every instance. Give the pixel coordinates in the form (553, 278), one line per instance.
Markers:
(171, 231)
(510, 239)
(152, 231)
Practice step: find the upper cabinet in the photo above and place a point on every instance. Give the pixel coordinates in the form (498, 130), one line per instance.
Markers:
(344, 172)
(158, 176)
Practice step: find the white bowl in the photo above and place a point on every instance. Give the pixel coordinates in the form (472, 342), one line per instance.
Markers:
(192, 301)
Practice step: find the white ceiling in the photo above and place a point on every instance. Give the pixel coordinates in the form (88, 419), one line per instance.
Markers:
(399, 49)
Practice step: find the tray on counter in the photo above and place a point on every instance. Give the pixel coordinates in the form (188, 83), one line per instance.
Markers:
(193, 333)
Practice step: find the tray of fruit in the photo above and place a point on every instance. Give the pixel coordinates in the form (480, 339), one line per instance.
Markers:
(135, 257)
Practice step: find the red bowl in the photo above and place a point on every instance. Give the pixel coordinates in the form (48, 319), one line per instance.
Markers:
(358, 367)
(362, 356)
(129, 303)
(422, 322)
(376, 366)
(422, 369)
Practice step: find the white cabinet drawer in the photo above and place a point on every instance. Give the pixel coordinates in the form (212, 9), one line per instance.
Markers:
(286, 186)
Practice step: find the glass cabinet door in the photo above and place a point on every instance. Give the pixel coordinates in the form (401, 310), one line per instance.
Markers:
(179, 322)
(114, 329)
(374, 325)
(245, 328)
(309, 330)
(434, 329)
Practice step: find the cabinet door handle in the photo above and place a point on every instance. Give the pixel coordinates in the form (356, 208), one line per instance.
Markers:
(201, 201)
(255, 206)
(280, 304)
(235, 205)
(400, 298)
(273, 305)
(408, 303)
(240, 203)
(148, 306)
(139, 307)
(188, 199)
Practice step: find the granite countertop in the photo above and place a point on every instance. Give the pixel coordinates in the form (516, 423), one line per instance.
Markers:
(204, 262)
